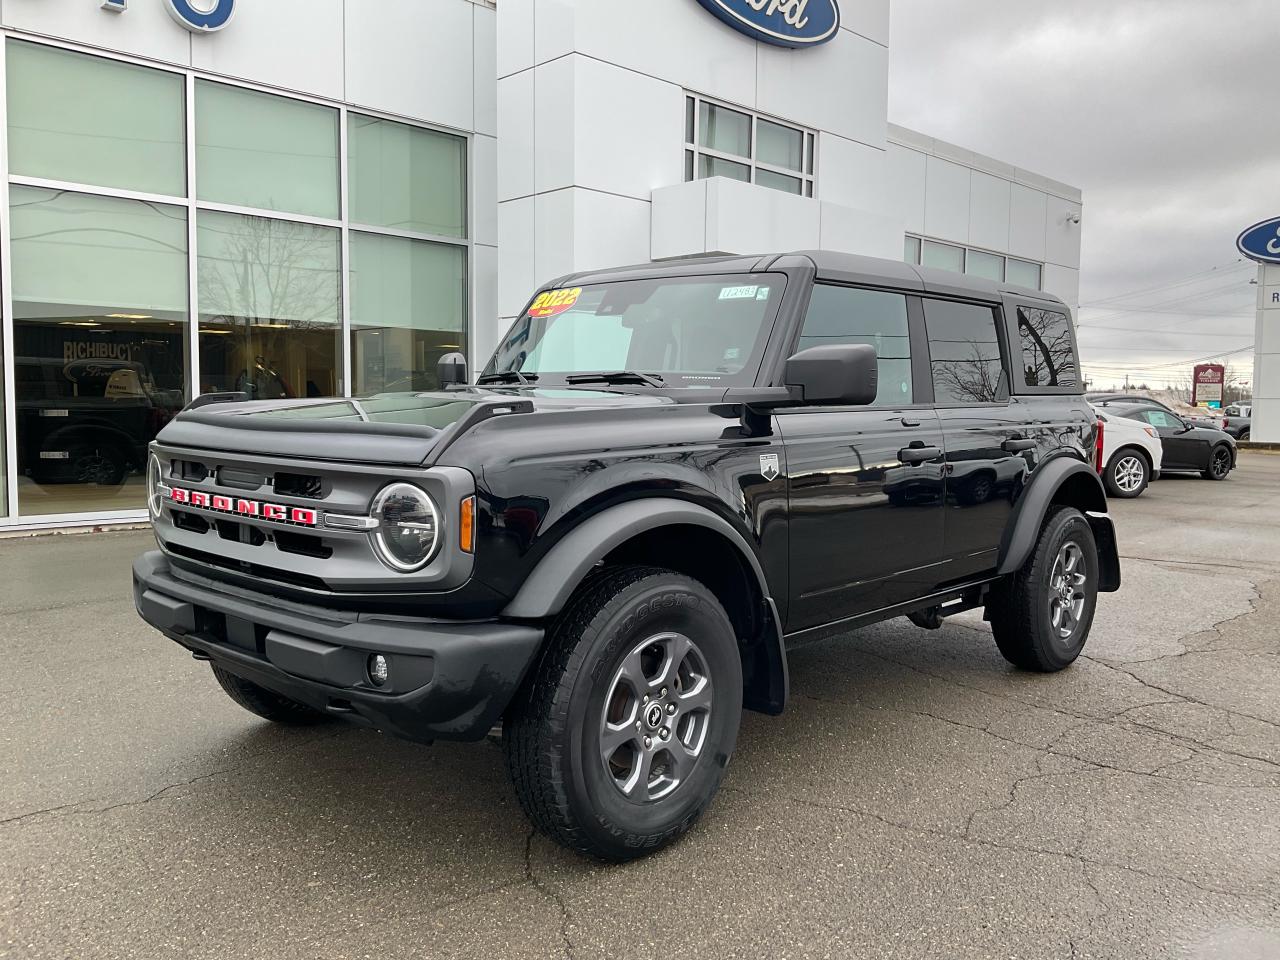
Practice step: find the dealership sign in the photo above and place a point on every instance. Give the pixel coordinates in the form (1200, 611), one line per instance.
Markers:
(1261, 241)
(1207, 383)
(784, 23)
(198, 16)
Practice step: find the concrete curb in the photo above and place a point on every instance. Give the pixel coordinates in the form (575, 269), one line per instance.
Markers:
(1257, 446)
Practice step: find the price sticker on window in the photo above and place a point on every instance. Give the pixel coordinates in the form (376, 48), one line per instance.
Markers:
(552, 302)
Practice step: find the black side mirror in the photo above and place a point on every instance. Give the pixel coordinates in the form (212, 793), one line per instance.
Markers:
(843, 374)
(451, 369)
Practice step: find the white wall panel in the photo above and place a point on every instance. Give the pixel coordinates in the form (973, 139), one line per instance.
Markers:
(745, 218)
(679, 220)
(946, 200)
(841, 86)
(860, 231)
(516, 242)
(853, 174)
(904, 185)
(484, 193)
(554, 23)
(553, 235)
(515, 124)
(609, 230)
(412, 57)
(484, 89)
(870, 18)
(1027, 219)
(145, 29)
(989, 211)
(294, 44)
(487, 326)
(1062, 238)
(555, 119)
(1063, 283)
(515, 37)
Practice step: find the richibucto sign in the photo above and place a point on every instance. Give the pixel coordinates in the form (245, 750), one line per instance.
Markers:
(784, 23)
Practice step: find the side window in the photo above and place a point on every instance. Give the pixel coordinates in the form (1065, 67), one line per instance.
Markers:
(1161, 418)
(850, 315)
(964, 352)
(1048, 359)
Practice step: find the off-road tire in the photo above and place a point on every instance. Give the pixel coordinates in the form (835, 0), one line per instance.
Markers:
(1219, 463)
(1019, 606)
(1115, 473)
(551, 735)
(265, 703)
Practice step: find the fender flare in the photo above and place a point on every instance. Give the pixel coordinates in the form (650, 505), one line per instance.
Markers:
(1032, 506)
(548, 588)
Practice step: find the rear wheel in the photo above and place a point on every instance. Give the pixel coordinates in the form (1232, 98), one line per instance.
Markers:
(1219, 463)
(266, 703)
(621, 737)
(1127, 474)
(1041, 614)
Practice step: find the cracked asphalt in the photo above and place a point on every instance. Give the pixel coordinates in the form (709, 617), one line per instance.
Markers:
(918, 798)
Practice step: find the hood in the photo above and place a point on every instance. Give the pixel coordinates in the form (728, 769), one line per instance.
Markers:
(391, 428)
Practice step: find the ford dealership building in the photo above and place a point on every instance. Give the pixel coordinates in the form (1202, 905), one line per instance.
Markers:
(315, 197)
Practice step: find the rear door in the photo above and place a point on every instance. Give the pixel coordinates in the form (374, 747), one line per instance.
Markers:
(865, 483)
(1183, 448)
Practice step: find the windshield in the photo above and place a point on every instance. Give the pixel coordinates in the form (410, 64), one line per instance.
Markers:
(687, 331)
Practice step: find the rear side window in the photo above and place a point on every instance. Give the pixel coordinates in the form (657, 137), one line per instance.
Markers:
(1048, 356)
(850, 315)
(964, 352)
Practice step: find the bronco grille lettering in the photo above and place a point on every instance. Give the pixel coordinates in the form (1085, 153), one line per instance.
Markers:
(281, 513)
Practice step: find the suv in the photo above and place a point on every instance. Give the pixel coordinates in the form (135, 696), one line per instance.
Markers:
(665, 475)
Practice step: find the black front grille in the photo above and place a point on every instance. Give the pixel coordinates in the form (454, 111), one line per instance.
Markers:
(190, 470)
(248, 569)
(302, 544)
(298, 485)
(191, 522)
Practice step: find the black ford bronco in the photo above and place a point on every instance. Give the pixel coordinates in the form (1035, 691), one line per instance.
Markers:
(665, 476)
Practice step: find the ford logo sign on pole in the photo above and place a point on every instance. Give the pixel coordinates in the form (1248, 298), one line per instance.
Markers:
(784, 23)
(1261, 242)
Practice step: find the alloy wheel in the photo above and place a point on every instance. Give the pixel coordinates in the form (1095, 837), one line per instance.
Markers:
(1067, 583)
(656, 716)
(1129, 474)
(1221, 465)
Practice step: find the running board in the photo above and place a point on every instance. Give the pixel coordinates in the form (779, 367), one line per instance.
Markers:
(953, 600)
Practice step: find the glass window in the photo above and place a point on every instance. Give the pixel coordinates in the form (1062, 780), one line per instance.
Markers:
(942, 256)
(86, 119)
(725, 130)
(270, 306)
(850, 315)
(964, 352)
(1023, 274)
(100, 319)
(257, 150)
(779, 181)
(715, 167)
(408, 309)
(406, 178)
(1048, 355)
(779, 146)
(911, 250)
(978, 263)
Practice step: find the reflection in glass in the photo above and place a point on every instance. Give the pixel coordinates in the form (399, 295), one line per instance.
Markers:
(725, 130)
(715, 167)
(270, 306)
(911, 250)
(943, 256)
(980, 264)
(1048, 357)
(778, 181)
(406, 178)
(84, 119)
(964, 352)
(100, 318)
(779, 146)
(848, 315)
(1023, 273)
(408, 309)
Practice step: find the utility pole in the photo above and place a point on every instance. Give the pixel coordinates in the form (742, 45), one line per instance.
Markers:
(1126, 383)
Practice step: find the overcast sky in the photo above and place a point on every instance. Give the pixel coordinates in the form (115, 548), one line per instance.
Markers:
(1156, 110)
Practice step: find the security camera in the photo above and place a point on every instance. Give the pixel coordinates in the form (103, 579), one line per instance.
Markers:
(1073, 218)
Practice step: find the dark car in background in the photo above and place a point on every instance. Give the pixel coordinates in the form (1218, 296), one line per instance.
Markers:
(1187, 446)
(1239, 417)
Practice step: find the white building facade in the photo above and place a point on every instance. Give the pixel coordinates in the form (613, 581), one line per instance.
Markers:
(315, 197)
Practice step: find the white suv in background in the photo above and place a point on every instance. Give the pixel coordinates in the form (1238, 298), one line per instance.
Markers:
(1128, 456)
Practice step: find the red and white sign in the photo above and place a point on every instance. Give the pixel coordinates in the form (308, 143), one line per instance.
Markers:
(1207, 380)
(240, 507)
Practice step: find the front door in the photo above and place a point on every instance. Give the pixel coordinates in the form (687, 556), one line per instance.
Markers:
(1181, 449)
(865, 483)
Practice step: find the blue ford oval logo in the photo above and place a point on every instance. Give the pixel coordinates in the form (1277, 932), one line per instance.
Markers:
(784, 23)
(202, 17)
(1261, 241)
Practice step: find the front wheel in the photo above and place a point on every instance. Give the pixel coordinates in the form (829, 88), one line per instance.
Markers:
(1126, 475)
(266, 703)
(621, 737)
(1041, 614)
(1219, 463)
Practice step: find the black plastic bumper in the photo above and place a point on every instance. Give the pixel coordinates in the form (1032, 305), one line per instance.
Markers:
(447, 680)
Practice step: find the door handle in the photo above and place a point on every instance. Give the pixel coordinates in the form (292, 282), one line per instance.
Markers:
(1017, 445)
(909, 422)
(912, 456)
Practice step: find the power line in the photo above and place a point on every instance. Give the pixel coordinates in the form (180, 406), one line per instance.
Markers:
(1192, 278)
(1173, 363)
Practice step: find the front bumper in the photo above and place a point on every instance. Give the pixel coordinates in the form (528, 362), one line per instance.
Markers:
(448, 680)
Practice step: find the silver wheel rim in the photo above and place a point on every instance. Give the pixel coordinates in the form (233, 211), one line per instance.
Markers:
(655, 718)
(1129, 474)
(1067, 583)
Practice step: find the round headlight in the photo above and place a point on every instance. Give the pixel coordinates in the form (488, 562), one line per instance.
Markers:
(153, 486)
(408, 527)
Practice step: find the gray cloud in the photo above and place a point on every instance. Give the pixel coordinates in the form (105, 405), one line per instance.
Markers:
(1155, 109)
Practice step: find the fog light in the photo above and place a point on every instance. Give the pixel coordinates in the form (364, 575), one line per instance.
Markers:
(378, 669)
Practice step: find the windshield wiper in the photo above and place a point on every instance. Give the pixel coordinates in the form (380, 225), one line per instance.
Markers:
(616, 376)
(507, 376)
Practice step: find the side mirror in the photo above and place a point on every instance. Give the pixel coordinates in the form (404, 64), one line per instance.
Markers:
(1187, 426)
(451, 369)
(843, 374)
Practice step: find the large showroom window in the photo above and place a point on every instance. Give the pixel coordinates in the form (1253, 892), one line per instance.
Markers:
(322, 252)
(976, 263)
(723, 142)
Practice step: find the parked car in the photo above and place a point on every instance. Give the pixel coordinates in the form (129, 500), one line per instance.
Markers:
(1187, 447)
(665, 475)
(1210, 420)
(1239, 417)
(1129, 454)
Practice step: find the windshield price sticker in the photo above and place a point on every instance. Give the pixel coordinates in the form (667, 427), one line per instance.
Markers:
(552, 302)
(740, 293)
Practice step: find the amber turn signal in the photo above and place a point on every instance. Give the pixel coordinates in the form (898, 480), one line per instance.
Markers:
(467, 524)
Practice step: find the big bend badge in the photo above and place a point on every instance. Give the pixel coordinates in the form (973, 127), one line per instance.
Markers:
(769, 466)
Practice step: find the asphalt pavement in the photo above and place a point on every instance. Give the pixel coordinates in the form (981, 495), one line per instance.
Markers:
(918, 798)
